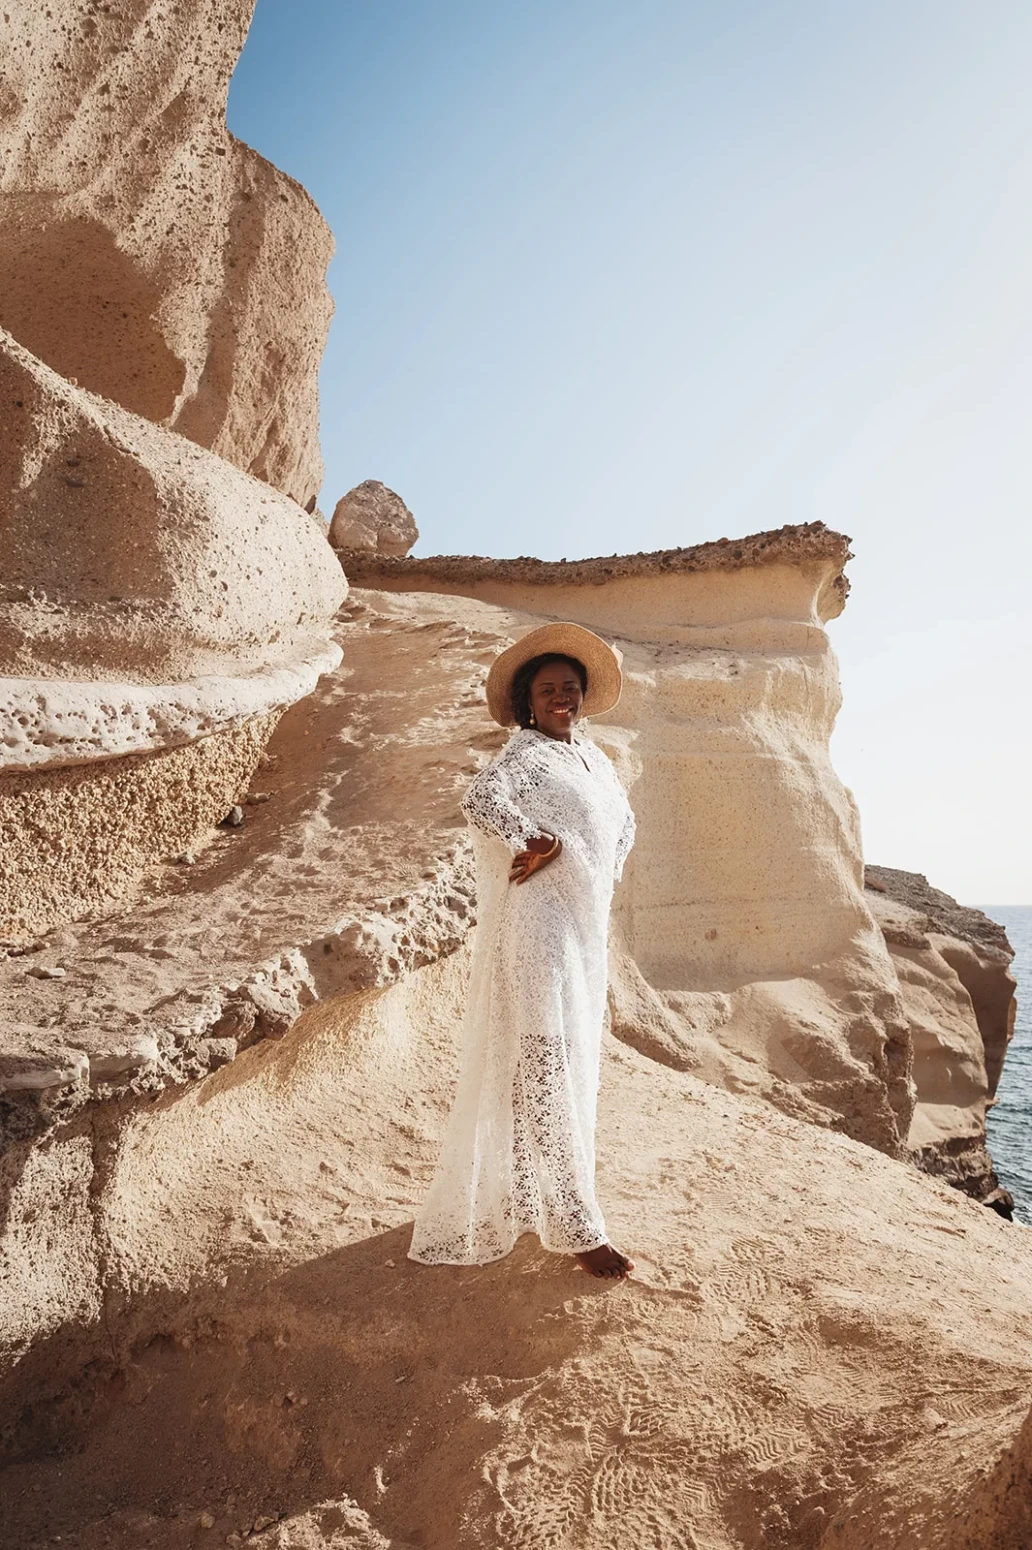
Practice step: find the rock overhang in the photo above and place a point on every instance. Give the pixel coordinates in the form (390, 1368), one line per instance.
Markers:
(152, 591)
(793, 574)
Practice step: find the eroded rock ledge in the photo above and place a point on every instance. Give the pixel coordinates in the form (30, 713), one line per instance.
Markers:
(953, 965)
(798, 545)
(197, 1241)
(351, 869)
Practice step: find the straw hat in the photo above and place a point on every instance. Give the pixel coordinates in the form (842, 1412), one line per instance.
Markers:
(562, 640)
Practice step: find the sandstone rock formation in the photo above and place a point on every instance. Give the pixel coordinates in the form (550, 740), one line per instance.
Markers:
(144, 252)
(351, 868)
(221, 1111)
(152, 595)
(227, 1053)
(953, 968)
(372, 518)
(744, 949)
(158, 282)
(248, 1343)
(135, 554)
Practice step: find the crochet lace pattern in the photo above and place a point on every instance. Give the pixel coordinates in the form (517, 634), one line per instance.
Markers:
(519, 1149)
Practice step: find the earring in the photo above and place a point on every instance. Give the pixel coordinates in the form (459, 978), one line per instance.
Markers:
(533, 722)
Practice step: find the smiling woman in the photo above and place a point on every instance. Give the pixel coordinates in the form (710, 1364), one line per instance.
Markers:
(519, 1152)
(548, 692)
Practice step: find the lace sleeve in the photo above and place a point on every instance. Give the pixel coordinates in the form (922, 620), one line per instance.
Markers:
(489, 807)
(623, 845)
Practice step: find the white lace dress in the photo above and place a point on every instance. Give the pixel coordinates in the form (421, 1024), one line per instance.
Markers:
(519, 1150)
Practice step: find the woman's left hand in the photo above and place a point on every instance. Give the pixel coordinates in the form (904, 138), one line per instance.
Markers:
(539, 852)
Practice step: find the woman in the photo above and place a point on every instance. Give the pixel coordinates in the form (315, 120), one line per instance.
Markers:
(551, 829)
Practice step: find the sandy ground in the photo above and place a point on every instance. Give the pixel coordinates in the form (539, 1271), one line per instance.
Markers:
(810, 1321)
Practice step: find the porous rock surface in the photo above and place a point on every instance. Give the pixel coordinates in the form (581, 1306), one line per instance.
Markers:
(81, 839)
(250, 1353)
(163, 311)
(351, 867)
(152, 595)
(144, 252)
(131, 554)
(953, 965)
(807, 545)
(221, 1114)
(371, 518)
(743, 948)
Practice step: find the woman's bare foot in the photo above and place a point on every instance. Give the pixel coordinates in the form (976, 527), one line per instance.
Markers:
(605, 1261)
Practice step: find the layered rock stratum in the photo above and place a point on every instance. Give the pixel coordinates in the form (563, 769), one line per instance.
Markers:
(163, 595)
(743, 948)
(227, 1050)
(953, 965)
(226, 1327)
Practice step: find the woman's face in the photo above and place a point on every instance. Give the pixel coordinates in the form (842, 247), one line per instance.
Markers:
(556, 698)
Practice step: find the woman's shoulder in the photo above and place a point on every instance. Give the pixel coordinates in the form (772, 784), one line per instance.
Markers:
(513, 751)
(520, 741)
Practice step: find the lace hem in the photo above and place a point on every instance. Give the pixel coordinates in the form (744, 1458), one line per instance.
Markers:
(442, 1255)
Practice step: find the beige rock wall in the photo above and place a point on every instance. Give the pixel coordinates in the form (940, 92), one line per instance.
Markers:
(77, 840)
(959, 996)
(151, 595)
(743, 945)
(162, 299)
(130, 554)
(146, 253)
(208, 1317)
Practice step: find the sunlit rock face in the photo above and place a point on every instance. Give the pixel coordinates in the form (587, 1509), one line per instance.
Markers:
(152, 595)
(796, 1295)
(958, 992)
(231, 1104)
(130, 553)
(146, 253)
(743, 948)
(163, 310)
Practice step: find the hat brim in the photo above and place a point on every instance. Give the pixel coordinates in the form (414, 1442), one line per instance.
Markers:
(601, 661)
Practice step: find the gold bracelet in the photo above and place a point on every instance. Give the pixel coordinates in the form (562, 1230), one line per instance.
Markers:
(546, 855)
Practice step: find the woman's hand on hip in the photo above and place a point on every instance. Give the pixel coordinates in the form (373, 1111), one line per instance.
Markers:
(542, 849)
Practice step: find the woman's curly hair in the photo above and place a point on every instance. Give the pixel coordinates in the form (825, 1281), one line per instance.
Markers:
(524, 677)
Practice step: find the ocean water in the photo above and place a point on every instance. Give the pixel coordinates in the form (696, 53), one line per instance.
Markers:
(1010, 1122)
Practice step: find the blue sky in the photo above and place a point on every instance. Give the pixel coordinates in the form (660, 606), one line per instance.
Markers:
(614, 277)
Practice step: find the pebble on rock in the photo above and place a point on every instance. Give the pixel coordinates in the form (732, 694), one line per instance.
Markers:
(234, 818)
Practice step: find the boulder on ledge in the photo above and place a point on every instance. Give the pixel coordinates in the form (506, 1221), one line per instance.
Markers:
(373, 519)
